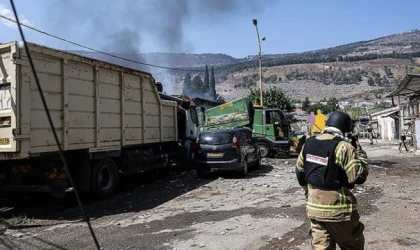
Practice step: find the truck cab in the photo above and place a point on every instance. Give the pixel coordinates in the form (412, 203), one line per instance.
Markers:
(272, 130)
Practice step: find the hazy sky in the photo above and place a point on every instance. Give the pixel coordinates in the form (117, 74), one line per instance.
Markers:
(209, 26)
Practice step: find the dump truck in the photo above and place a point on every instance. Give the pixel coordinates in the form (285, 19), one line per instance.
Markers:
(110, 120)
(269, 126)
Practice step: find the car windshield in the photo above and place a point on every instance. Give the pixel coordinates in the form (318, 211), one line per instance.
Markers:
(216, 138)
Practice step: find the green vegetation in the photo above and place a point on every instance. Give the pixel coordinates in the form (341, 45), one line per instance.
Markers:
(356, 112)
(320, 56)
(273, 98)
(199, 88)
(329, 76)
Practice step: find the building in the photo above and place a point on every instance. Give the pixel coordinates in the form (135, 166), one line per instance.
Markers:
(407, 95)
(387, 124)
(344, 104)
(367, 105)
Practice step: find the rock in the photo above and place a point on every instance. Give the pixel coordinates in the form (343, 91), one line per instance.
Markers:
(3, 228)
(292, 239)
(286, 162)
(202, 245)
(223, 233)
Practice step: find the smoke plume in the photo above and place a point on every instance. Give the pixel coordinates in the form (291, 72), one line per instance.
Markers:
(124, 27)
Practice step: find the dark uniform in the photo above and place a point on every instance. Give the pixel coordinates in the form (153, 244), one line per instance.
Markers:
(327, 168)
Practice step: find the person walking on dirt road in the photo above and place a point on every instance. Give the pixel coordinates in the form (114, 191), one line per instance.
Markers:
(327, 168)
(369, 129)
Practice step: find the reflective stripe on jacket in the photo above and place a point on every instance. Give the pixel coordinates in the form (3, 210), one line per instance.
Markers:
(337, 204)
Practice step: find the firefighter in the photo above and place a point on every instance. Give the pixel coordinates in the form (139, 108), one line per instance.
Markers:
(327, 168)
(369, 129)
(356, 131)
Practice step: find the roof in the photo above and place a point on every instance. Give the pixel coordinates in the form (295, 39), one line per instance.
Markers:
(410, 84)
(386, 112)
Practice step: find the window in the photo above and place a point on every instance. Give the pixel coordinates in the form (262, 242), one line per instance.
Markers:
(216, 138)
(275, 117)
(193, 115)
(242, 138)
(248, 134)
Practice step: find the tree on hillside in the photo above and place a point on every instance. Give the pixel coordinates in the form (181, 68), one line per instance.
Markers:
(332, 104)
(212, 84)
(305, 104)
(197, 85)
(206, 80)
(186, 87)
(385, 81)
(272, 98)
(371, 82)
(388, 71)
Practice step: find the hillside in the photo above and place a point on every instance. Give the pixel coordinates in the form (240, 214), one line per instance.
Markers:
(356, 71)
(176, 60)
(303, 80)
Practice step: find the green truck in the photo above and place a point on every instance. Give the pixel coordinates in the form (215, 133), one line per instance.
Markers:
(270, 127)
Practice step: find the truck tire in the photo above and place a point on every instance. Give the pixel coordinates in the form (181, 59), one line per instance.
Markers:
(104, 178)
(265, 149)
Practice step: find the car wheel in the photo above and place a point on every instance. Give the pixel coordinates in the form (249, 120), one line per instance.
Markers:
(264, 148)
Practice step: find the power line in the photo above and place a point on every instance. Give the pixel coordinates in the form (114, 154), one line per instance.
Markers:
(95, 50)
(115, 56)
(53, 128)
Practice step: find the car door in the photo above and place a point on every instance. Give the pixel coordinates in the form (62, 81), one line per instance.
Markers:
(253, 146)
(244, 144)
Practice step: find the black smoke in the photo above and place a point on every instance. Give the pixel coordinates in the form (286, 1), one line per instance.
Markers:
(123, 27)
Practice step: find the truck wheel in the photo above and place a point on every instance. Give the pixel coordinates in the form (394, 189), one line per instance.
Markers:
(104, 178)
(264, 148)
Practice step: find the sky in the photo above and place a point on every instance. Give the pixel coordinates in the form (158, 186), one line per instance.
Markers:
(208, 26)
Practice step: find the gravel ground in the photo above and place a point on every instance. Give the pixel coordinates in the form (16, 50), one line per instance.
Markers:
(263, 211)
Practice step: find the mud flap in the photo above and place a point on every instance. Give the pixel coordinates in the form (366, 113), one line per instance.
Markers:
(59, 188)
(84, 183)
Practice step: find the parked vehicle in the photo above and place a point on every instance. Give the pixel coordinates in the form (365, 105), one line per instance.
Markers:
(110, 120)
(226, 150)
(270, 127)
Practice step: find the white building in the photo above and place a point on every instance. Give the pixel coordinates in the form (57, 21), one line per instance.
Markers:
(344, 104)
(387, 123)
(367, 105)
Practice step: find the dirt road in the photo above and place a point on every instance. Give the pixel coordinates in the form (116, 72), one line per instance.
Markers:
(264, 211)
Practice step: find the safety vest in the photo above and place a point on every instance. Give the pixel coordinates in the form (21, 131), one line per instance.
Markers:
(319, 164)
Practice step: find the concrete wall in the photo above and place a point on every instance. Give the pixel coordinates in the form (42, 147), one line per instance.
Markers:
(386, 128)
